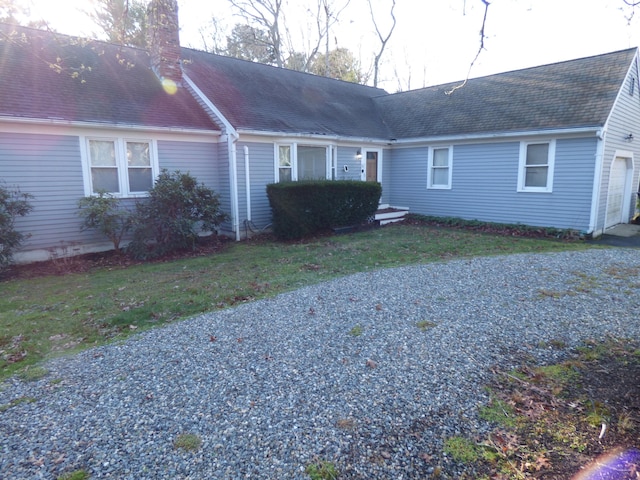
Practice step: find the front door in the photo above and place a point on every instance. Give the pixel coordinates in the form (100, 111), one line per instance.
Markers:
(371, 167)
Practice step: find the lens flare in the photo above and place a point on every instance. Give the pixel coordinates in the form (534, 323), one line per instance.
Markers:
(619, 464)
(169, 86)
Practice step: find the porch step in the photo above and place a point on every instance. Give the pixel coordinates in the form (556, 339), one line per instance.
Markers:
(387, 214)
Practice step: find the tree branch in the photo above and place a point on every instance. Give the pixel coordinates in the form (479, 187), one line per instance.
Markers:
(482, 37)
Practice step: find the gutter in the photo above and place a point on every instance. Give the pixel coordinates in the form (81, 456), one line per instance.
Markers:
(59, 122)
(499, 135)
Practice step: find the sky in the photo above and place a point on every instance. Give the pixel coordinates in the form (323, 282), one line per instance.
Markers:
(434, 41)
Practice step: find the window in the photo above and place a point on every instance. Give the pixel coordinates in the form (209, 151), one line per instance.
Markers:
(439, 173)
(312, 163)
(536, 167)
(303, 162)
(120, 167)
(285, 173)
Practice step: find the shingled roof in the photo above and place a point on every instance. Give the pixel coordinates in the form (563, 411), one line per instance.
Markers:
(120, 88)
(49, 76)
(572, 94)
(263, 98)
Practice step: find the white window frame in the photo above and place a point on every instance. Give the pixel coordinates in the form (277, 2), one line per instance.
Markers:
(431, 167)
(522, 167)
(120, 145)
(330, 158)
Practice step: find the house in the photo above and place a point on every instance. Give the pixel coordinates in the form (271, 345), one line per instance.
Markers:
(551, 146)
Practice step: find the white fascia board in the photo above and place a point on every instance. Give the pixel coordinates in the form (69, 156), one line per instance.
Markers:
(284, 136)
(466, 138)
(227, 125)
(21, 123)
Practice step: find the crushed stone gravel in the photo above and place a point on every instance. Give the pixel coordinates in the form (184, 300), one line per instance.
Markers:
(371, 372)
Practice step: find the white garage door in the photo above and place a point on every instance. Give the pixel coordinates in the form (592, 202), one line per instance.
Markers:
(617, 184)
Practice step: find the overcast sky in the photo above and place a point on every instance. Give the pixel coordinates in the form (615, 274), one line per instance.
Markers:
(435, 40)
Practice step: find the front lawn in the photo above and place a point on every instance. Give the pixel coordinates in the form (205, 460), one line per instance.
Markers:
(50, 315)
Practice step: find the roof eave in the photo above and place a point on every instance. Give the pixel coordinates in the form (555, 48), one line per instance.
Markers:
(105, 125)
(314, 136)
(570, 131)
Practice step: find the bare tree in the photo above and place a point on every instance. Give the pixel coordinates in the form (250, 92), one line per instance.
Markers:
(480, 48)
(267, 15)
(384, 39)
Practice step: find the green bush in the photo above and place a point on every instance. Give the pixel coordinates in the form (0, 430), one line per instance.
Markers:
(105, 213)
(13, 204)
(303, 208)
(170, 218)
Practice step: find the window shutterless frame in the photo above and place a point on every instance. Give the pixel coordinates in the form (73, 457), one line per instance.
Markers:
(440, 167)
(121, 167)
(536, 165)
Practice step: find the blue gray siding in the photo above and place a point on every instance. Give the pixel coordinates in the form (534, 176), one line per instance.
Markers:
(196, 158)
(261, 173)
(484, 184)
(49, 168)
(346, 156)
(624, 119)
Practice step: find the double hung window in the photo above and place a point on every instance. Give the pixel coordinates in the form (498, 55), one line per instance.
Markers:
(536, 166)
(120, 167)
(439, 173)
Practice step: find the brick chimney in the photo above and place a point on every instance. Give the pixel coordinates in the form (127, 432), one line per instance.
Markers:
(164, 39)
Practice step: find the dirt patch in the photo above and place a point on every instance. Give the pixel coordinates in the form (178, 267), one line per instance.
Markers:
(110, 259)
(578, 419)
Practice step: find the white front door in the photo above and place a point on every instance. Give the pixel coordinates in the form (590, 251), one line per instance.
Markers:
(618, 194)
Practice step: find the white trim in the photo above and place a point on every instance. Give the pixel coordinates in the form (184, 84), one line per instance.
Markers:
(432, 149)
(101, 130)
(120, 146)
(363, 163)
(329, 147)
(597, 181)
(572, 132)
(628, 181)
(228, 128)
(54, 122)
(247, 180)
(522, 168)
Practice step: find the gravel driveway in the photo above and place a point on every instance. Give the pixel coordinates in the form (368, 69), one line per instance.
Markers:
(273, 385)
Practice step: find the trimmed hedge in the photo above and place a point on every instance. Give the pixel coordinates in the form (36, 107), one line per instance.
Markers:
(303, 208)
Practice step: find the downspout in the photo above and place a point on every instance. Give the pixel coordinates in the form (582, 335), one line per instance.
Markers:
(597, 181)
(232, 138)
(248, 182)
(233, 179)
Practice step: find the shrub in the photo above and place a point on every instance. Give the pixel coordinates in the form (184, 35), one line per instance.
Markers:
(105, 214)
(169, 219)
(303, 208)
(13, 204)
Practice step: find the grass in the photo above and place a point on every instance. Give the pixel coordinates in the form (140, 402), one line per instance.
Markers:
(322, 470)
(48, 316)
(188, 442)
(75, 475)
